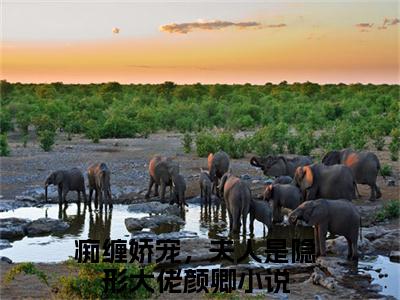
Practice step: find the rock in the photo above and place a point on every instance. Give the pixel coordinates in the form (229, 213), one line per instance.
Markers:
(388, 242)
(255, 181)
(391, 182)
(4, 244)
(318, 277)
(134, 224)
(6, 205)
(45, 226)
(394, 256)
(25, 198)
(5, 259)
(245, 177)
(198, 250)
(154, 207)
(339, 246)
(12, 228)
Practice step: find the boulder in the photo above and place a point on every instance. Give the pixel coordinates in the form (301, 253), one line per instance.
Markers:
(13, 228)
(176, 235)
(339, 246)
(6, 205)
(45, 226)
(134, 224)
(154, 207)
(5, 259)
(4, 244)
(395, 256)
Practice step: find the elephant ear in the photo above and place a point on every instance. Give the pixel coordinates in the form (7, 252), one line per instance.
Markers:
(58, 177)
(316, 214)
(268, 193)
(285, 162)
(221, 185)
(298, 176)
(308, 178)
(209, 161)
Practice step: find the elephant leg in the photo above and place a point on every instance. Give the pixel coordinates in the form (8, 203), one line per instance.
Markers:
(201, 193)
(244, 221)
(64, 196)
(60, 196)
(378, 191)
(96, 198)
(235, 220)
(252, 223)
(79, 197)
(84, 194)
(372, 197)
(316, 240)
(322, 231)
(163, 187)
(156, 190)
(90, 194)
(349, 248)
(149, 189)
(230, 220)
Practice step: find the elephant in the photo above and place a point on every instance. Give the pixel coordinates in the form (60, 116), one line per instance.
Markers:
(260, 211)
(364, 165)
(283, 180)
(99, 181)
(237, 197)
(218, 165)
(330, 182)
(205, 186)
(280, 165)
(282, 195)
(161, 170)
(179, 189)
(336, 216)
(67, 180)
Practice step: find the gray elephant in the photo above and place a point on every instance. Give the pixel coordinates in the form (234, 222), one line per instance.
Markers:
(260, 211)
(330, 182)
(336, 216)
(67, 180)
(161, 170)
(237, 196)
(279, 165)
(218, 165)
(205, 186)
(364, 165)
(179, 189)
(99, 182)
(282, 195)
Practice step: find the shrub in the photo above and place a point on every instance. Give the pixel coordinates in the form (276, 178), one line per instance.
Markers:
(92, 131)
(390, 210)
(262, 142)
(187, 140)
(386, 170)
(26, 268)
(394, 145)
(89, 284)
(205, 144)
(46, 139)
(25, 140)
(4, 148)
(306, 143)
(5, 121)
(378, 140)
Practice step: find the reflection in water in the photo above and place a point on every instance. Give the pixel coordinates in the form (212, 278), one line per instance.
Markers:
(76, 222)
(100, 225)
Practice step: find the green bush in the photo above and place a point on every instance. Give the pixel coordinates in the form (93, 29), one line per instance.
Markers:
(205, 144)
(187, 140)
(4, 148)
(262, 142)
(390, 210)
(378, 140)
(27, 268)
(5, 121)
(386, 170)
(89, 284)
(92, 131)
(394, 145)
(46, 139)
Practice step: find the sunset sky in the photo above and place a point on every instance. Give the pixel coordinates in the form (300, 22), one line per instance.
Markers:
(200, 41)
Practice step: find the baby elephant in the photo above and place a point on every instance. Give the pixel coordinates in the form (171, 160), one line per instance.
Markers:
(179, 189)
(260, 211)
(99, 181)
(205, 186)
(282, 195)
(237, 197)
(283, 180)
(67, 180)
(336, 216)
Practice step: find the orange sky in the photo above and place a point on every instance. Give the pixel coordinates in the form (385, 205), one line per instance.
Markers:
(316, 42)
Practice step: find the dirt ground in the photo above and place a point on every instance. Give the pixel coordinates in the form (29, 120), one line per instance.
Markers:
(27, 168)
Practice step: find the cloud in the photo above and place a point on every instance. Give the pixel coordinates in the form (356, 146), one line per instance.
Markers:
(276, 25)
(184, 28)
(364, 25)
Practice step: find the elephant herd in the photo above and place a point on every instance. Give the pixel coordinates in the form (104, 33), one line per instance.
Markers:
(318, 193)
